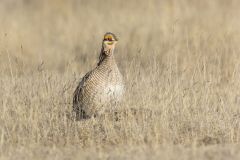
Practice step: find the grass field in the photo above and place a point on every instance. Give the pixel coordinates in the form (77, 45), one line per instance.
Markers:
(181, 65)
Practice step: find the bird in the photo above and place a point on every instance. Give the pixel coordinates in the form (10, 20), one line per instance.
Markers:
(102, 88)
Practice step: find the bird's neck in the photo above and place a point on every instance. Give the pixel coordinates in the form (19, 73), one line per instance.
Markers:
(106, 57)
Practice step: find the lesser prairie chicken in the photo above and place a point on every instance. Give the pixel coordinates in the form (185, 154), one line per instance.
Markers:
(102, 87)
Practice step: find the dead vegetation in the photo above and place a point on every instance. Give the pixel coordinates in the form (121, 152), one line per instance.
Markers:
(180, 60)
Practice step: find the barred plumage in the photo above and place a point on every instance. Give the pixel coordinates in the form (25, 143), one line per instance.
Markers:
(102, 87)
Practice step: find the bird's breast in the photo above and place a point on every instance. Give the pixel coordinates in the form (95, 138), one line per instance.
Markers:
(114, 89)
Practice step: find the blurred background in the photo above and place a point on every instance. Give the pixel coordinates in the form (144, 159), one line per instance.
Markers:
(66, 35)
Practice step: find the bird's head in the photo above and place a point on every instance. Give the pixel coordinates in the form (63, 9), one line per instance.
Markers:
(109, 42)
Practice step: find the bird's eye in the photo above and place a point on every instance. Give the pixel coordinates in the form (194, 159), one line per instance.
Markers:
(109, 39)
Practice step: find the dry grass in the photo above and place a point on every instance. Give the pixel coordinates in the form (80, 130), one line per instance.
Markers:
(180, 61)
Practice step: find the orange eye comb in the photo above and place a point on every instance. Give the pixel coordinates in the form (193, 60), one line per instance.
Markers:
(108, 38)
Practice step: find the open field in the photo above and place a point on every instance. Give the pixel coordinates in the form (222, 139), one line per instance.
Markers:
(180, 61)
